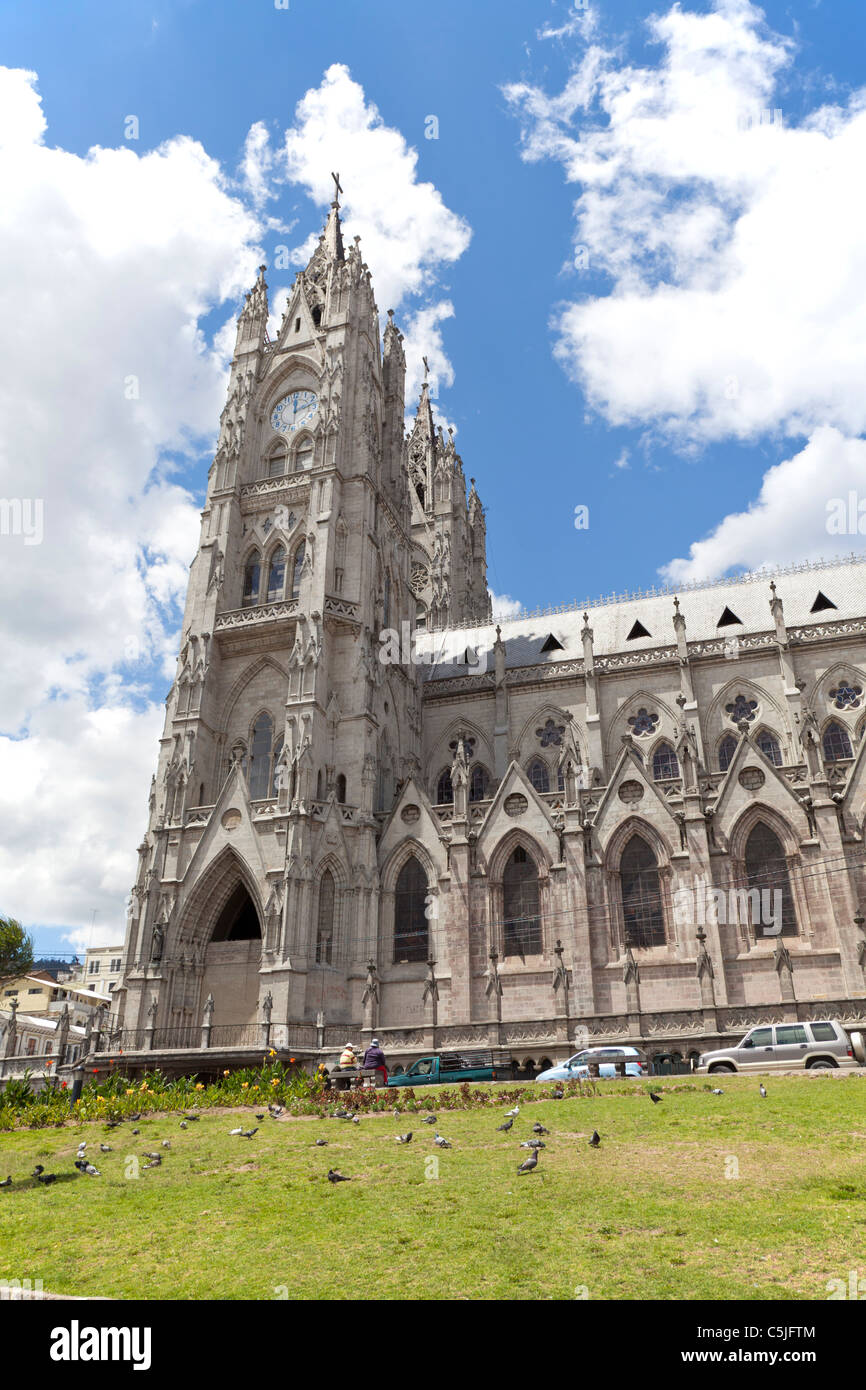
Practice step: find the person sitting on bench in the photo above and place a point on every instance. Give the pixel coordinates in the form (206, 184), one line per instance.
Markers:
(374, 1060)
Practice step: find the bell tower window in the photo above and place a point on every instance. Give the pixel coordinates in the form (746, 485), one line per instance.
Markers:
(252, 580)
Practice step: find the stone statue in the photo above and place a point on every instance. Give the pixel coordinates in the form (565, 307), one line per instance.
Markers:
(157, 944)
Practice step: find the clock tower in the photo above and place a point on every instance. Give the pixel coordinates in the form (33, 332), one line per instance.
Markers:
(286, 738)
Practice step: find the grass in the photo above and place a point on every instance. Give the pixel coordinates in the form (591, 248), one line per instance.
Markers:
(702, 1196)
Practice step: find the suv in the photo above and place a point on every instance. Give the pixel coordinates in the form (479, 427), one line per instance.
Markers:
(784, 1046)
(577, 1067)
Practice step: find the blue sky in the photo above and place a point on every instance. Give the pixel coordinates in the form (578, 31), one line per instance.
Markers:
(537, 375)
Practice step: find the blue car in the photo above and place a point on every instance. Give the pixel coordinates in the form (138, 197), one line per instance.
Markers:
(577, 1067)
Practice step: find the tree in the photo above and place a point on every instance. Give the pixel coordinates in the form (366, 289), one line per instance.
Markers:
(16, 950)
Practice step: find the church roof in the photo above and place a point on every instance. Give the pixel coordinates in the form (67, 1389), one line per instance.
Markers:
(812, 595)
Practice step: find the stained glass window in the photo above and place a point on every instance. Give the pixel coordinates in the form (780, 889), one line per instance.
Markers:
(741, 708)
(478, 783)
(277, 575)
(539, 775)
(521, 933)
(410, 919)
(727, 749)
(551, 735)
(767, 868)
(252, 579)
(665, 763)
(641, 895)
(260, 757)
(846, 696)
(769, 746)
(325, 926)
(444, 790)
(297, 569)
(643, 723)
(837, 744)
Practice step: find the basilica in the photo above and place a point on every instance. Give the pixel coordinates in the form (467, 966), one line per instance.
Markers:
(377, 811)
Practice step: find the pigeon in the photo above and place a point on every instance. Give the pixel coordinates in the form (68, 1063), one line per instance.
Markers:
(503, 1129)
(84, 1167)
(515, 1111)
(7, 1182)
(136, 1116)
(539, 1128)
(184, 1125)
(275, 1110)
(356, 1119)
(334, 1176)
(154, 1163)
(530, 1164)
(105, 1148)
(239, 1130)
(320, 1143)
(37, 1171)
(260, 1117)
(248, 1133)
(717, 1091)
(82, 1145)
(166, 1143)
(762, 1088)
(396, 1112)
(654, 1098)
(112, 1124)
(595, 1140)
(136, 1131)
(533, 1144)
(559, 1095)
(440, 1142)
(404, 1138)
(192, 1117)
(157, 1155)
(429, 1120)
(46, 1178)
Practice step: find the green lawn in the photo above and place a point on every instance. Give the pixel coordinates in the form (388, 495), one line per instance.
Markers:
(653, 1213)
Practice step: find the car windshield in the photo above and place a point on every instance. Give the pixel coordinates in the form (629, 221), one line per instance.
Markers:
(578, 1060)
(422, 1068)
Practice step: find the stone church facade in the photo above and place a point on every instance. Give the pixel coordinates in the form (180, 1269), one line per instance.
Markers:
(374, 810)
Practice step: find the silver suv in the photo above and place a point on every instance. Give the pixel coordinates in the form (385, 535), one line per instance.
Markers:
(786, 1046)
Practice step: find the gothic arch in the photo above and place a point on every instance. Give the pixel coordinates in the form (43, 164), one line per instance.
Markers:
(661, 743)
(619, 726)
(441, 753)
(202, 909)
(819, 694)
(503, 850)
(528, 744)
(826, 727)
(749, 818)
(718, 722)
(407, 849)
(612, 851)
(766, 731)
(242, 682)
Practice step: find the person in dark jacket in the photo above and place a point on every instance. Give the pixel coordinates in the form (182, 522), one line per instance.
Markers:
(374, 1060)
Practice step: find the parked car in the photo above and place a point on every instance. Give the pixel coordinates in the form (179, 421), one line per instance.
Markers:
(438, 1070)
(784, 1046)
(578, 1066)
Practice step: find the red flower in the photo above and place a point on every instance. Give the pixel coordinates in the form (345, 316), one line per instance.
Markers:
(96, 1071)
(63, 1085)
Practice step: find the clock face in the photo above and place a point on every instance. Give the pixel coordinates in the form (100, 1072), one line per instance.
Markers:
(293, 411)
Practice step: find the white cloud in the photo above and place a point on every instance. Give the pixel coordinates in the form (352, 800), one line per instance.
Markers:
(623, 461)
(706, 220)
(504, 606)
(796, 513)
(108, 264)
(731, 241)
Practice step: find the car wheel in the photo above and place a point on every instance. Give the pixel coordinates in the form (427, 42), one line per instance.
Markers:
(821, 1064)
(858, 1043)
(720, 1066)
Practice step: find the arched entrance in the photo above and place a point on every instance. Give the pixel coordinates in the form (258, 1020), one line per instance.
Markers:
(232, 960)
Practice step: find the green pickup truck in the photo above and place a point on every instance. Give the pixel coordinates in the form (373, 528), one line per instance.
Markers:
(445, 1067)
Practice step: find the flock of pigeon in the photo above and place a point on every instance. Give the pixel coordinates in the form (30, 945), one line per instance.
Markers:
(529, 1165)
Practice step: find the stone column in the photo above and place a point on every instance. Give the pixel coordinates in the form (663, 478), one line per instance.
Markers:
(631, 980)
(370, 1002)
(430, 996)
(12, 1030)
(151, 1023)
(267, 1009)
(62, 1034)
(593, 719)
(562, 989)
(785, 971)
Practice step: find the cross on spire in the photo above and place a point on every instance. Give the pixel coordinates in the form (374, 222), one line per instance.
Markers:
(337, 189)
(426, 367)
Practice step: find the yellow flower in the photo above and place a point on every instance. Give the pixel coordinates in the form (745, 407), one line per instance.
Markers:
(275, 1081)
(130, 1092)
(272, 1053)
(199, 1085)
(244, 1085)
(226, 1072)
